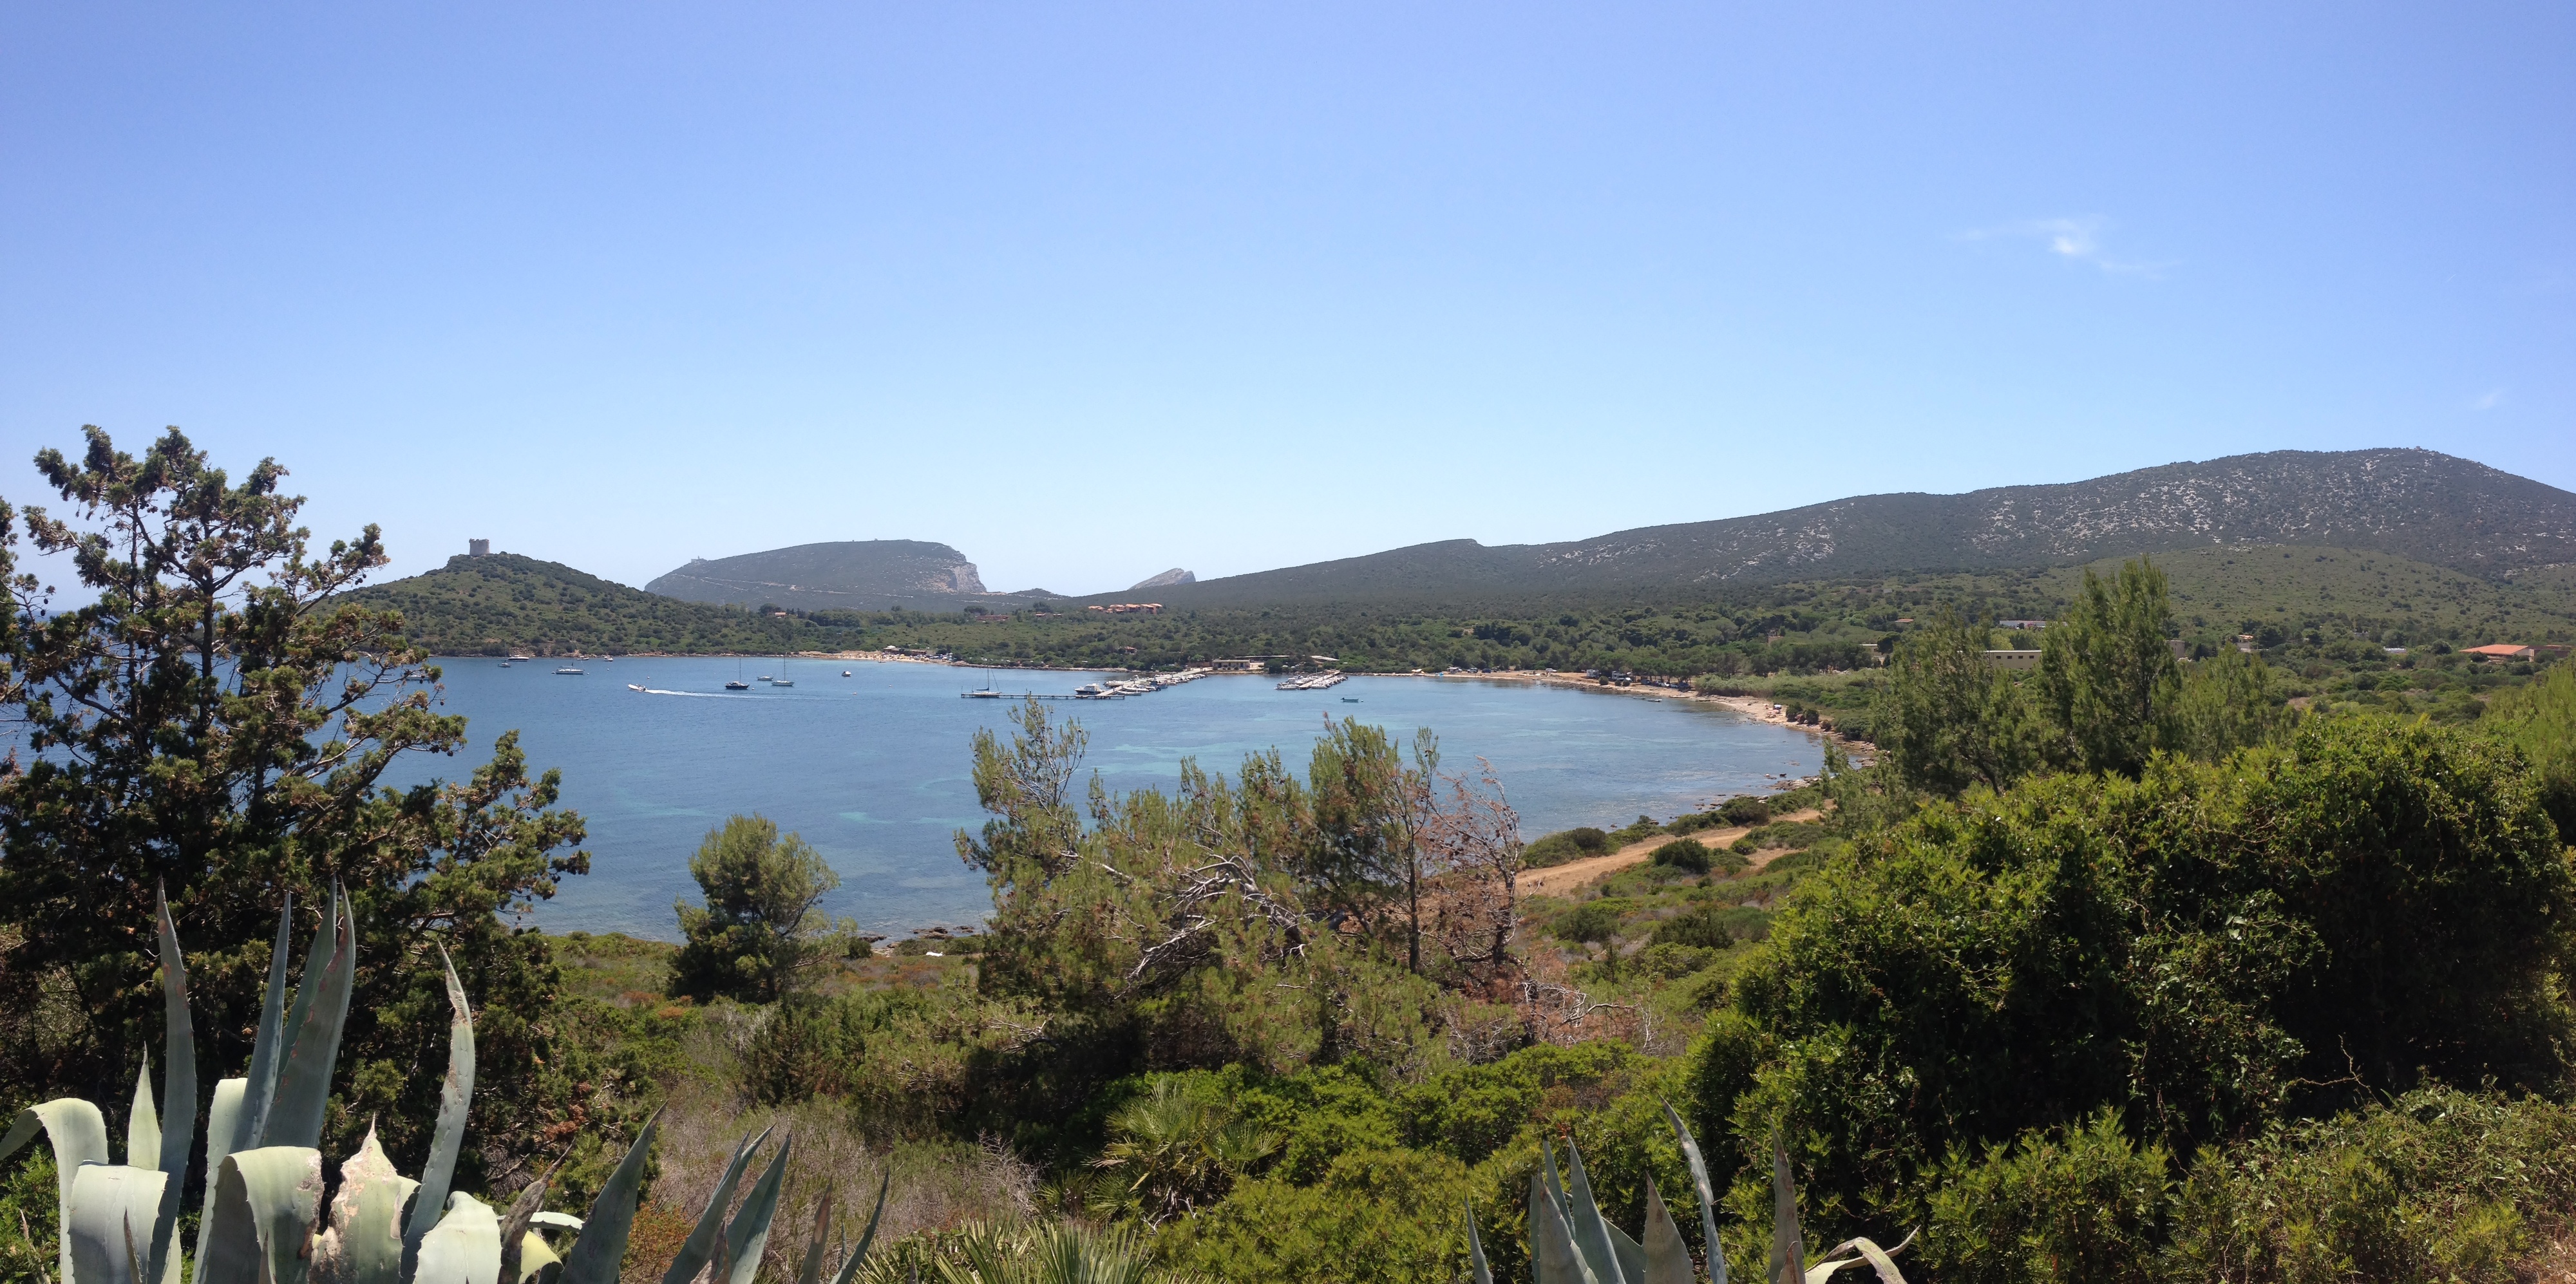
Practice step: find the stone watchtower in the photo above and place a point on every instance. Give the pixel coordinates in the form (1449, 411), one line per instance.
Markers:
(478, 548)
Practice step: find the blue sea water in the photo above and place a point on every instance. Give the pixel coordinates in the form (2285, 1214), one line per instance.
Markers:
(873, 769)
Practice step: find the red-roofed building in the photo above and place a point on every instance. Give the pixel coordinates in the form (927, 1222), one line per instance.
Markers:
(2499, 652)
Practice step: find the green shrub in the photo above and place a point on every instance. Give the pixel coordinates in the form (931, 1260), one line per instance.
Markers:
(1683, 853)
(1376, 1215)
(1671, 961)
(1714, 927)
(1565, 845)
(1744, 846)
(1747, 810)
(806, 1047)
(2371, 904)
(2439, 1185)
(2084, 1204)
(1638, 830)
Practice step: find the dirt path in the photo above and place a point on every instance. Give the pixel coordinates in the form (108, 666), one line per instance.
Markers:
(1557, 880)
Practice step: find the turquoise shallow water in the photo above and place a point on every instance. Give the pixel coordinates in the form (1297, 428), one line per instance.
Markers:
(873, 769)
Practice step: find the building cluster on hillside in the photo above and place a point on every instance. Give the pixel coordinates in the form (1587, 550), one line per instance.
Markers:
(1129, 608)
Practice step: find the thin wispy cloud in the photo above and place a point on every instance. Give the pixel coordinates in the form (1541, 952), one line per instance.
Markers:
(2077, 239)
(2493, 398)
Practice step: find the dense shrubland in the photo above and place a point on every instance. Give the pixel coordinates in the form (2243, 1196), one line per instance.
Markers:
(2119, 968)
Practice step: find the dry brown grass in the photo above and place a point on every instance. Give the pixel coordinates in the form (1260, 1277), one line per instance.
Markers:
(934, 1186)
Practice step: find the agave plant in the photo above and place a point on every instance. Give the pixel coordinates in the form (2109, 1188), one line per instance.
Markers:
(1572, 1243)
(262, 1220)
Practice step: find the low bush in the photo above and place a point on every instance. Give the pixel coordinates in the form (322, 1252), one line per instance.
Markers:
(1671, 960)
(1747, 810)
(1714, 927)
(2084, 1203)
(1683, 853)
(1565, 845)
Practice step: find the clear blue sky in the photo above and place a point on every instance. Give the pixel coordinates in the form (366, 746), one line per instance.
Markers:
(1091, 290)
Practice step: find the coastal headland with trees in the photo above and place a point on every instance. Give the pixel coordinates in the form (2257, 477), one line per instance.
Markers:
(2239, 959)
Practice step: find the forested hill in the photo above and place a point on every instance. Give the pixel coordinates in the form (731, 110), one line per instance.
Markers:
(2429, 507)
(848, 575)
(504, 602)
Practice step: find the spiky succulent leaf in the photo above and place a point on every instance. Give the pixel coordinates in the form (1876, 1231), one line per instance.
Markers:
(558, 1221)
(267, 1055)
(464, 1247)
(362, 1245)
(1667, 1258)
(304, 1088)
(1553, 1257)
(748, 1235)
(1788, 1250)
(1479, 1271)
(1707, 1195)
(535, 1255)
(143, 1123)
(708, 1235)
(106, 1201)
(1593, 1235)
(810, 1271)
(515, 1223)
(178, 1100)
(78, 1134)
(455, 1098)
(223, 1119)
(850, 1269)
(266, 1201)
(1881, 1260)
(595, 1256)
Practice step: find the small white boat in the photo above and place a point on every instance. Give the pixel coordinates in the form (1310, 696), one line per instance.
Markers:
(737, 686)
(764, 678)
(1091, 691)
(982, 693)
(569, 671)
(505, 664)
(845, 673)
(634, 686)
(782, 682)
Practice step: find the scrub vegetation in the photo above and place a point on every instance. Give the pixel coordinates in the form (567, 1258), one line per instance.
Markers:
(2121, 966)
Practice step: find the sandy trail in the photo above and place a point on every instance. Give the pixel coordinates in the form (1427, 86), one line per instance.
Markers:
(1557, 880)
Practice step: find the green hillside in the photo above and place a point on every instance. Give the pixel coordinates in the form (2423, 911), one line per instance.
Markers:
(502, 603)
(2432, 508)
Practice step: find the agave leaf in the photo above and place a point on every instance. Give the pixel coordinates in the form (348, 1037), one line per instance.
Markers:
(559, 1221)
(1553, 1257)
(308, 984)
(266, 1202)
(1788, 1249)
(1667, 1258)
(455, 1097)
(105, 1200)
(1863, 1250)
(535, 1255)
(811, 1270)
(79, 1136)
(178, 1100)
(304, 1088)
(1479, 1271)
(361, 1246)
(223, 1117)
(595, 1256)
(515, 1223)
(266, 1056)
(707, 1235)
(1593, 1234)
(850, 1268)
(748, 1234)
(142, 1122)
(1707, 1195)
(464, 1247)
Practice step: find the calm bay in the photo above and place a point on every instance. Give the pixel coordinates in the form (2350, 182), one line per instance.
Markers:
(873, 768)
